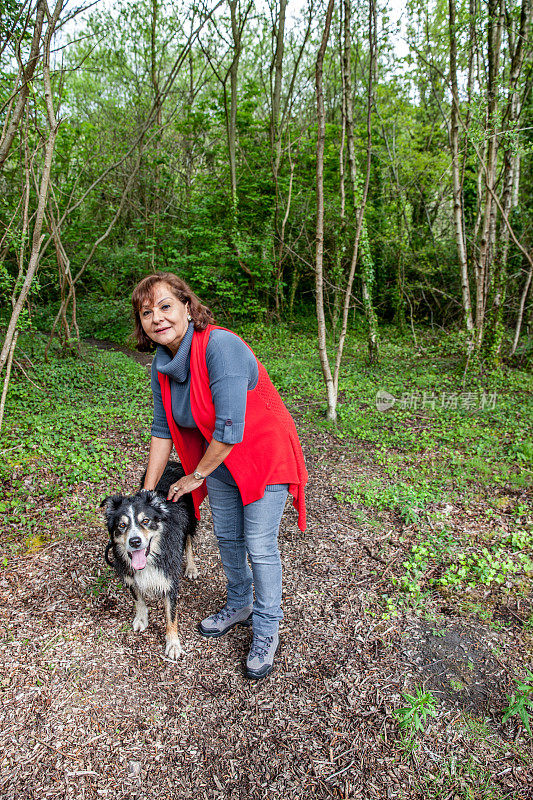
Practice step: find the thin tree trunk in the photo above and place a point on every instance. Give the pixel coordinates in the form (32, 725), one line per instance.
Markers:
(275, 143)
(340, 249)
(344, 68)
(153, 61)
(154, 76)
(275, 133)
(236, 32)
(319, 263)
(458, 207)
(494, 327)
(359, 199)
(281, 245)
(27, 76)
(368, 274)
(282, 115)
(66, 282)
(294, 285)
(37, 238)
(7, 377)
(26, 209)
(237, 27)
(486, 245)
(523, 298)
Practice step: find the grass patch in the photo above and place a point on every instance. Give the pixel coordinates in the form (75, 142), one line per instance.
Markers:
(56, 435)
(406, 499)
(447, 442)
(464, 433)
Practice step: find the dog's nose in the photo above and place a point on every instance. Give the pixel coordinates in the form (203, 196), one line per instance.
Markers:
(135, 541)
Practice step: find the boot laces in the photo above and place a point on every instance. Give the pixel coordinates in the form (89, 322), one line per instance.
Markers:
(260, 646)
(223, 614)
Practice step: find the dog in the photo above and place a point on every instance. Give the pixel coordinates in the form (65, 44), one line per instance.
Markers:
(148, 537)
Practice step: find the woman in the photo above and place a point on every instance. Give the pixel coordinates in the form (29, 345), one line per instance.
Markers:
(237, 443)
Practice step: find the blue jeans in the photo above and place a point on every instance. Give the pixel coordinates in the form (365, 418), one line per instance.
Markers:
(250, 530)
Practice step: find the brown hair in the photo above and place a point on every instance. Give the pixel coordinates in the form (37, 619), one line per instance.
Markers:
(144, 291)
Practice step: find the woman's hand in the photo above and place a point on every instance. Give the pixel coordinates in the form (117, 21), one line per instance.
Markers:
(213, 456)
(185, 485)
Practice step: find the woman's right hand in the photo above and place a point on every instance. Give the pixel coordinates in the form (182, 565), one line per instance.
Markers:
(185, 485)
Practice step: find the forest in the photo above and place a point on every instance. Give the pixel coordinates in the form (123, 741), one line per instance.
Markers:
(348, 185)
(139, 137)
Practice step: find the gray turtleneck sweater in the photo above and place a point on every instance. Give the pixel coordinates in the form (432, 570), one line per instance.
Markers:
(232, 371)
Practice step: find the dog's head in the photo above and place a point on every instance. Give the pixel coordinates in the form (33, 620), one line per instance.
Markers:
(135, 525)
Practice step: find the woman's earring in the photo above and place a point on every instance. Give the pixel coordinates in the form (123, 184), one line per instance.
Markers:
(189, 318)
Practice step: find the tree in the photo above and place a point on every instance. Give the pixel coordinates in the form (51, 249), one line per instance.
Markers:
(319, 262)
(359, 202)
(45, 146)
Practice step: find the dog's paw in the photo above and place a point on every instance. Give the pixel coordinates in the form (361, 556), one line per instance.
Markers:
(192, 571)
(173, 648)
(140, 622)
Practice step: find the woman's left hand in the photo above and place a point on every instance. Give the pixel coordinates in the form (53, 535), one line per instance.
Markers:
(185, 485)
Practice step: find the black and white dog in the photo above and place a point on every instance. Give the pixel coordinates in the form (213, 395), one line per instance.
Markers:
(148, 537)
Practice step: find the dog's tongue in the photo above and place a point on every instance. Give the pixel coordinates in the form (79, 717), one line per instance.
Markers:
(138, 559)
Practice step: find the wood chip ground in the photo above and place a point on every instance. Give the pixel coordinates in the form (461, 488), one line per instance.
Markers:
(91, 710)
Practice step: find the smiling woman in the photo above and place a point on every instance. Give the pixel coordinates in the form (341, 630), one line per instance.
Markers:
(165, 301)
(237, 444)
(167, 320)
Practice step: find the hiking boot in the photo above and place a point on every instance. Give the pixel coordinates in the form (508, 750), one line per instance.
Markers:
(224, 620)
(260, 661)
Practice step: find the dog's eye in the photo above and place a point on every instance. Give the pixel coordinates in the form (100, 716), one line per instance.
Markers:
(121, 525)
(146, 521)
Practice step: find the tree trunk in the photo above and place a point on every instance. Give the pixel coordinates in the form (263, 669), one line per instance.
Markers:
(359, 197)
(37, 238)
(495, 327)
(488, 230)
(27, 76)
(277, 68)
(319, 262)
(458, 208)
(523, 298)
(7, 377)
(279, 271)
(236, 32)
(275, 144)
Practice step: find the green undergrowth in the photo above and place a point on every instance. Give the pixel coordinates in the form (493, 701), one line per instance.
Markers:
(69, 426)
(462, 769)
(438, 557)
(98, 318)
(450, 459)
(443, 434)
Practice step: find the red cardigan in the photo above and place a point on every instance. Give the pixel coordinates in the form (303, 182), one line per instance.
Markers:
(270, 451)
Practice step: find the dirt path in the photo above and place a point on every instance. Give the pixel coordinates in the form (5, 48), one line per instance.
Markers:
(105, 344)
(92, 710)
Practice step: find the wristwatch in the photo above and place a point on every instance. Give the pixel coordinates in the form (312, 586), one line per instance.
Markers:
(199, 476)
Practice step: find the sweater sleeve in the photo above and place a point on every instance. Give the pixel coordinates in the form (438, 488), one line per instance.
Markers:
(159, 425)
(233, 372)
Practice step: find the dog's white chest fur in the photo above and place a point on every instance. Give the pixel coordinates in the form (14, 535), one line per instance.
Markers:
(151, 581)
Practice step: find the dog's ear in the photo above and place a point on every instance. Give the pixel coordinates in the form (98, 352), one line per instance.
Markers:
(111, 503)
(156, 500)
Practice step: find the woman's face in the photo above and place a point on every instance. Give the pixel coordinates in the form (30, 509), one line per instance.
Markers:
(165, 321)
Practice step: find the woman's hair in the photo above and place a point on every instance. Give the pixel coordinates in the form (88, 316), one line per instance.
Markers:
(144, 292)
